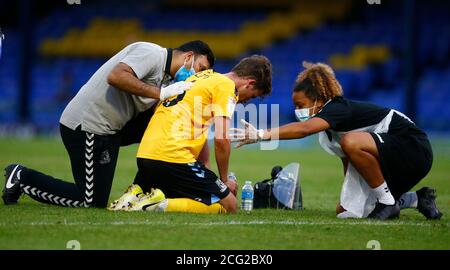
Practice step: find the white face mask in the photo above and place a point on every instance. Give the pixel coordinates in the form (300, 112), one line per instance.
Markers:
(303, 114)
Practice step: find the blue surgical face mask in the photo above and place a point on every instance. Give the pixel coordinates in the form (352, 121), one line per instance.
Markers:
(303, 114)
(183, 73)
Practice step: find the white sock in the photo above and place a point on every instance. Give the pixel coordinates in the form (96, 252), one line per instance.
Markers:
(383, 194)
(408, 200)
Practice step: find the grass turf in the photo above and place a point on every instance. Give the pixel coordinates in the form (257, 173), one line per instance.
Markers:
(31, 225)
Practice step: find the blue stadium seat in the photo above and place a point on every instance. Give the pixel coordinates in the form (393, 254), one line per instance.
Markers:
(381, 84)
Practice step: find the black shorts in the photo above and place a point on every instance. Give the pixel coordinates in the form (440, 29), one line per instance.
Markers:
(405, 159)
(192, 180)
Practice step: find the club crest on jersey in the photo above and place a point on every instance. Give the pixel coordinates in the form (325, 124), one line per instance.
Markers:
(105, 157)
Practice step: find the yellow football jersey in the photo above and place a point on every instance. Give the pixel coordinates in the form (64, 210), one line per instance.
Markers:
(179, 128)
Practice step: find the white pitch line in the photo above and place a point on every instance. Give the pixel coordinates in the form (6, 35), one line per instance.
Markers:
(224, 223)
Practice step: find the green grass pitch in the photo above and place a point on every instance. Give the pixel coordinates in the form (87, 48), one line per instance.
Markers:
(31, 225)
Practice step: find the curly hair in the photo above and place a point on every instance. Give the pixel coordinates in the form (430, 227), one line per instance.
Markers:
(318, 82)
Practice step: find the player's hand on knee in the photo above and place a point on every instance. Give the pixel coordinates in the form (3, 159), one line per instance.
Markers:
(233, 186)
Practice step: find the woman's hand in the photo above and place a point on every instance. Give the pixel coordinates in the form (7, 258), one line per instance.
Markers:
(248, 135)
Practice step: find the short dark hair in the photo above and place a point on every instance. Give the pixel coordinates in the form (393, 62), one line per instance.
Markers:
(259, 68)
(199, 47)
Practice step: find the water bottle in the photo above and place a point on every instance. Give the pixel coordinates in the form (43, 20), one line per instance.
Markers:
(247, 196)
(232, 177)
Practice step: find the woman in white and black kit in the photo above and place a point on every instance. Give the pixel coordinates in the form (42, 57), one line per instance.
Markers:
(382, 146)
(111, 110)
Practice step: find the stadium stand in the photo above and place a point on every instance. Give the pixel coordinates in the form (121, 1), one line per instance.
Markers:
(363, 44)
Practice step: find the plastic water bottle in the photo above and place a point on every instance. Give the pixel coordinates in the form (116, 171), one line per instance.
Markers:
(247, 196)
(232, 176)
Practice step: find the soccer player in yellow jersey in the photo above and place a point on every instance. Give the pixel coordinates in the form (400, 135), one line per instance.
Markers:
(168, 154)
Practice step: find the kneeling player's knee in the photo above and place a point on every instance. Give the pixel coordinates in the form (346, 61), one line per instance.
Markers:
(99, 201)
(230, 203)
(349, 143)
(232, 209)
